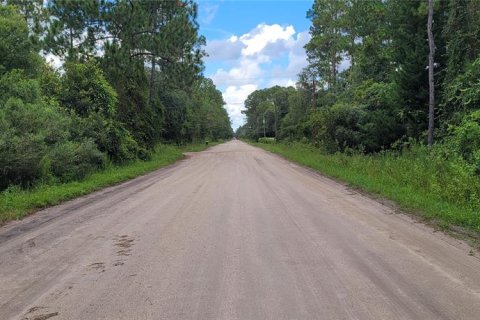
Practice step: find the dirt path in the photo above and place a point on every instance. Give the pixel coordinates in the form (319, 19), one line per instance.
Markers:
(232, 233)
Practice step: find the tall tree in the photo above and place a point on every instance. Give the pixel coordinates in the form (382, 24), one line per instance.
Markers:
(329, 42)
(75, 27)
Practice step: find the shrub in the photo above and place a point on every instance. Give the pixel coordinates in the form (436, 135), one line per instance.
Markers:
(464, 139)
(74, 160)
(20, 158)
(16, 48)
(462, 95)
(34, 144)
(15, 84)
(336, 128)
(108, 134)
(85, 90)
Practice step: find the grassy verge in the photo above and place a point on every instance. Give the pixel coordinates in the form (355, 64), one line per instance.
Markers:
(16, 203)
(437, 191)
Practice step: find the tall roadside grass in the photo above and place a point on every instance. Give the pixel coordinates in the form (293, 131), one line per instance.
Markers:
(16, 203)
(425, 182)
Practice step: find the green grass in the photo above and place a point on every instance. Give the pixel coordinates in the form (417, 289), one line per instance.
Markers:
(446, 193)
(16, 203)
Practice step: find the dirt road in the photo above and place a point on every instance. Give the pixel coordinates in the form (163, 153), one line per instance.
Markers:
(232, 233)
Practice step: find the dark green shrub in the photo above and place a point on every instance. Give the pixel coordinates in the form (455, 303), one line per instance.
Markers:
(85, 90)
(16, 48)
(15, 84)
(20, 158)
(463, 94)
(74, 160)
(109, 135)
(464, 139)
(336, 128)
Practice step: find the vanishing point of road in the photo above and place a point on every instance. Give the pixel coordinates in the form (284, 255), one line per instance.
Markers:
(233, 232)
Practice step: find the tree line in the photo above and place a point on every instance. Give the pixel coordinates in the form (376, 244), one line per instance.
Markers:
(131, 77)
(366, 86)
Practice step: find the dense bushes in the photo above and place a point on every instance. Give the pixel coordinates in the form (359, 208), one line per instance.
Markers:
(86, 91)
(62, 137)
(72, 160)
(36, 142)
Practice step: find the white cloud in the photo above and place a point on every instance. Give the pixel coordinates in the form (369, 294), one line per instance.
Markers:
(234, 97)
(257, 39)
(224, 50)
(297, 58)
(267, 55)
(245, 71)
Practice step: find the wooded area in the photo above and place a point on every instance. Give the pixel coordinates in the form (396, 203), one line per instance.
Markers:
(366, 87)
(131, 77)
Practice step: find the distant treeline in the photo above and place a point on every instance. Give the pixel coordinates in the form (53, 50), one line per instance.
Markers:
(130, 77)
(365, 89)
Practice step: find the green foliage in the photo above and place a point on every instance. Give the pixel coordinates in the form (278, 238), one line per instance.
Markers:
(73, 27)
(27, 132)
(14, 84)
(16, 47)
(381, 122)
(381, 97)
(73, 160)
(336, 128)
(50, 83)
(462, 33)
(464, 140)
(328, 41)
(86, 91)
(462, 95)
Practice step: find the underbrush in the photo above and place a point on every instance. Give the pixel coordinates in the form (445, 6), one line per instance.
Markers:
(442, 189)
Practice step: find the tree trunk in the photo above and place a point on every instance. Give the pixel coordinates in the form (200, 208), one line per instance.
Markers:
(431, 84)
(314, 94)
(152, 79)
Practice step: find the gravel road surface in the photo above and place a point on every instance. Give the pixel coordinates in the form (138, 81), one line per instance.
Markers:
(233, 232)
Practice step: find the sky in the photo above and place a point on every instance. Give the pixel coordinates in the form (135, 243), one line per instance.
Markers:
(253, 44)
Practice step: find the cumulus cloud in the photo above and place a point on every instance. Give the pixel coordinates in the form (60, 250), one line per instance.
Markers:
(234, 97)
(267, 55)
(245, 71)
(224, 50)
(263, 35)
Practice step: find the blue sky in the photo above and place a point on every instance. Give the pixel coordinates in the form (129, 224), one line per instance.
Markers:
(253, 45)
